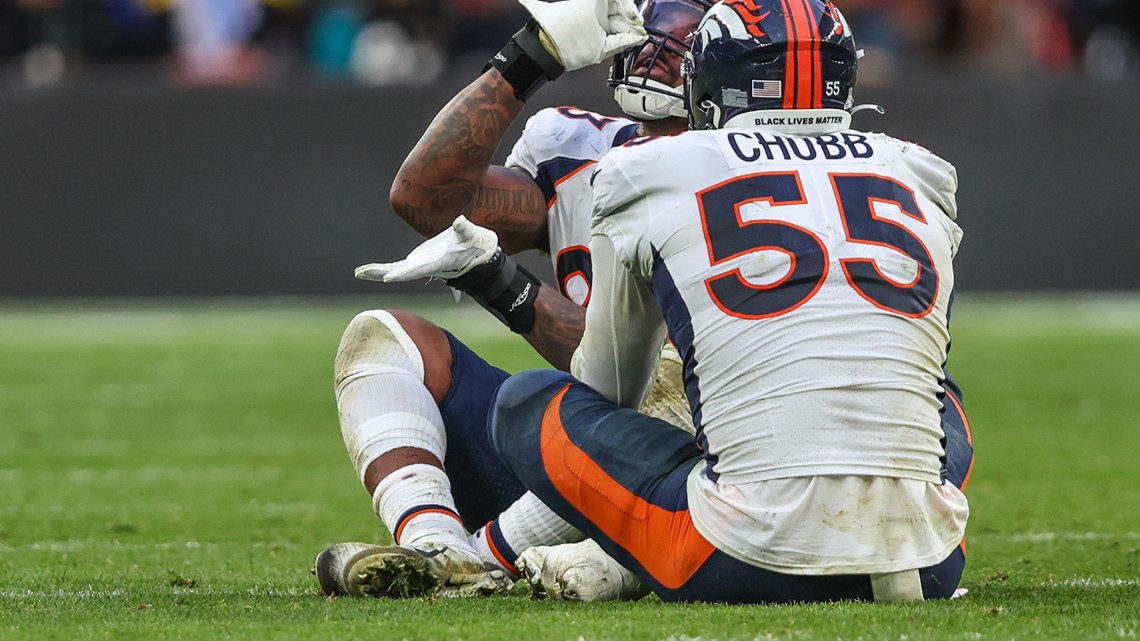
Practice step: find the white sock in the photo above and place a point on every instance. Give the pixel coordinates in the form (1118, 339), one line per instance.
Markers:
(415, 504)
(525, 524)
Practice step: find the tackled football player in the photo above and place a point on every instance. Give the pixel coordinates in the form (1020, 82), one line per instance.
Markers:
(804, 270)
(412, 399)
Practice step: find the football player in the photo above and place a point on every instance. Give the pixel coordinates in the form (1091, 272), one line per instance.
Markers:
(413, 400)
(804, 270)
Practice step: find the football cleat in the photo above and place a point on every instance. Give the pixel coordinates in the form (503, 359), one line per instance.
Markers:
(666, 399)
(331, 564)
(397, 572)
(578, 572)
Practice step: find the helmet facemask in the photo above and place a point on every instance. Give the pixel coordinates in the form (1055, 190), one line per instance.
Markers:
(640, 95)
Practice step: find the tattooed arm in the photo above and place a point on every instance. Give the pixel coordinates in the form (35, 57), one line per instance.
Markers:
(558, 327)
(448, 173)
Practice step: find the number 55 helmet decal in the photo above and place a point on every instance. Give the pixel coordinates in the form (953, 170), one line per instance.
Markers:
(783, 64)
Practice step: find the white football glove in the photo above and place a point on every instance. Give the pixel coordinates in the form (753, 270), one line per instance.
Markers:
(586, 32)
(449, 254)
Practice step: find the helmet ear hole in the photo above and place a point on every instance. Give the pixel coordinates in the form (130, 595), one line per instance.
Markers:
(711, 112)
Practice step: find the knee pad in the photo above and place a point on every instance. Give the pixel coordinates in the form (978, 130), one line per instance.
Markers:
(375, 342)
(380, 393)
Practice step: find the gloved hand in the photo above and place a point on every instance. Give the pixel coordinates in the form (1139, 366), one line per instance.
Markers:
(586, 32)
(449, 254)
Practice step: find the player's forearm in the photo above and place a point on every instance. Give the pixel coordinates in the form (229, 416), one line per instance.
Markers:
(440, 177)
(558, 327)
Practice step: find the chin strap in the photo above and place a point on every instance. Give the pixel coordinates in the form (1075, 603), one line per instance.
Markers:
(647, 99)
(875, 108)
(504, 288)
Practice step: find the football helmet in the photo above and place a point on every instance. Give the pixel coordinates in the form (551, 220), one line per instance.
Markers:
(784, 64)
(638, 74)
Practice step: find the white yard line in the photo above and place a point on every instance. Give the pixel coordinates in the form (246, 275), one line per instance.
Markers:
(1092, 583)
(83, 545)
(1048, 537)
(88, 593)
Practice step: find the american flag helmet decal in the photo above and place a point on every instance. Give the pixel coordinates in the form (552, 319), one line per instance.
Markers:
(767, 89)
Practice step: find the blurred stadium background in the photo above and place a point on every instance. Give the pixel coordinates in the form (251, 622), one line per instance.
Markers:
(169, 468)
(238, 147)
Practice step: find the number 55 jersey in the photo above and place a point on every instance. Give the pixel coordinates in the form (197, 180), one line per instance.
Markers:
(807, 283)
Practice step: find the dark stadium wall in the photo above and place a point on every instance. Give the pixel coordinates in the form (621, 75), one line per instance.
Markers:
(115, 189)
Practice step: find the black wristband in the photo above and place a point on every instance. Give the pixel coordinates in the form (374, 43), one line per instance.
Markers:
(525, 63)
(504, 288)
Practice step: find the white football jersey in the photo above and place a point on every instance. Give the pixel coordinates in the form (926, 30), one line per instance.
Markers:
(806, 282)
(559, 148)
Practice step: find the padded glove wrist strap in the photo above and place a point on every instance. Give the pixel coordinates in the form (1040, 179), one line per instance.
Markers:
(504, 288)
(525, 63)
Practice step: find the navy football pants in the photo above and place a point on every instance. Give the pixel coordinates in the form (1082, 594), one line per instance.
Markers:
(481, 485)
(621, 476)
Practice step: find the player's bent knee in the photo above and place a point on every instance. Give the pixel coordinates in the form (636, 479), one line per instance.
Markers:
(394, 338)
(373, 342)
(525, 388)
(520, 403)
(435, 351)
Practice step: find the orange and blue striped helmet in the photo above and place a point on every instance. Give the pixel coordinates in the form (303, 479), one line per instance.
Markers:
(767, 55)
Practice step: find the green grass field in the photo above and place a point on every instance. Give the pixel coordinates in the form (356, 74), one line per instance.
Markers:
(168, 470)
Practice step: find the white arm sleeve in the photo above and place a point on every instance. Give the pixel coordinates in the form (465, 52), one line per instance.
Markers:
(624, 330)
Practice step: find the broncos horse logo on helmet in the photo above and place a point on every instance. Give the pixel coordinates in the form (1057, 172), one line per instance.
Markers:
(637, 75)
(784, 64)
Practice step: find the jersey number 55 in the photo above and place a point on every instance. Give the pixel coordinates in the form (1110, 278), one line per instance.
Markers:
(728, 237)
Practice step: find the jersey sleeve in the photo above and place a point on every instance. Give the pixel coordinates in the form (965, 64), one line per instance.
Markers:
(939, 179)
(620, 208)
(934, 178)
(624, 331)
(564, 133)
(624, 327)
(533, 146)
(558, 150)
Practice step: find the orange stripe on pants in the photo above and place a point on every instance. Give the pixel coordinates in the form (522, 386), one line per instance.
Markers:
(666, 543)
